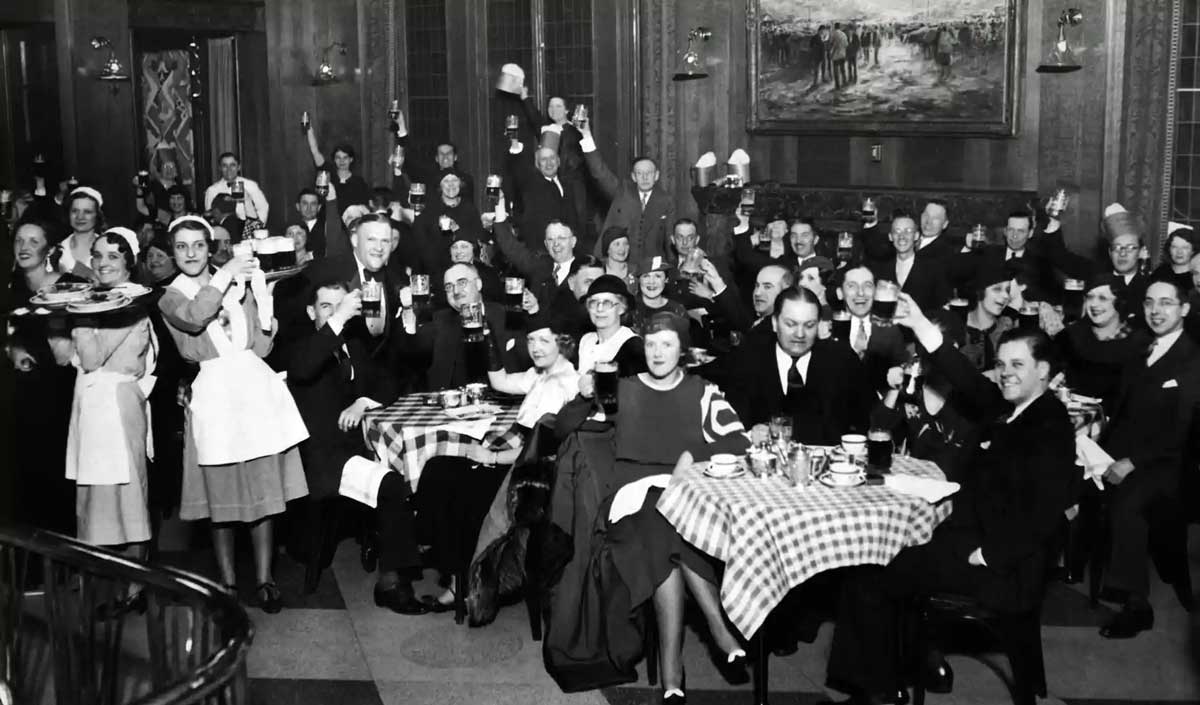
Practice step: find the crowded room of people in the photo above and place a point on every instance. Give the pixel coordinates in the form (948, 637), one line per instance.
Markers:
(600, 352)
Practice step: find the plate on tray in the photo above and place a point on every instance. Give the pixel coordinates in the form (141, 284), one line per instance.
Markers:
(277, 274)
(472, 412)
(99, 302)
(59, 295)
(828, 481)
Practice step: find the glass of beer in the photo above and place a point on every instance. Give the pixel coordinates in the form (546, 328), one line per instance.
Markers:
(960, 306)
(493, 189)
(72, 183)
(879, 450)
(416, 196)
(977, 237)
(845, 246)
(511, 123)
(883, 310)
(1029, 315)
(1056, 204)
(514, 292)
(747, 204)
(238, 190)
(143, 180)
(420, 288)
(322, 183)
(1073, 298)
(841, 324)
(580, 118)
(868, 209)
(605, 377)
(691, 267)
(471, 315)
(372, 298)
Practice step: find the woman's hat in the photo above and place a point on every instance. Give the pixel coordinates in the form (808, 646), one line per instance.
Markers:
(89, 192)
(993, 273)
(609, 284)
(610, 235)
(128, 236)
(657, 263)
(1103, 278)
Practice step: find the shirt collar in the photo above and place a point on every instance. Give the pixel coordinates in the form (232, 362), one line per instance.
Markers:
(1165, 342)
(783, 363)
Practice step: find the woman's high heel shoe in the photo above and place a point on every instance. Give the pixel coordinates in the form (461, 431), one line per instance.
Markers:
(269, 598)
(735, 667)
(674, 696)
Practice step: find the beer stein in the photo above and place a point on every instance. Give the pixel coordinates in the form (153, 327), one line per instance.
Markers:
(1056, 204)
(416, 196)
(493, 189)
(511, 124)
(845, 248)
(868, 209)
(322, 183)
(471, 315)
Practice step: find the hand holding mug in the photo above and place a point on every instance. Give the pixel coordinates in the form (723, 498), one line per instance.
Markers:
(587, 385)
(240, 266)
(529, 302)
(349, 307)
(908, 313)
(406, 297)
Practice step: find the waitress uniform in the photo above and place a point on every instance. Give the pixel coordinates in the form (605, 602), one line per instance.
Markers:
(241, 461)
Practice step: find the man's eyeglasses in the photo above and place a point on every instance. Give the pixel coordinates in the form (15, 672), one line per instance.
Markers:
(601, 305)
(460, 285)
(561, 238)
(905, 231)
(1124, 249)
(1161, 303)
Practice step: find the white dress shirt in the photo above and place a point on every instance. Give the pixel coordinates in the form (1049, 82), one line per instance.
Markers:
(1161, 346)
(253, 206)
(904, 268)
(783, 361)
(561, 270)
(1013, 254)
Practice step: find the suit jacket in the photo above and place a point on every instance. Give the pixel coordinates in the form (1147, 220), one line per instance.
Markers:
(885, 349)
(835, 384)
(535, 264)
(1154, 410)
(431, 247)
(926, 283)
(540, 201)
(942, 247)
(649, 228)
(320, 383)
(875, 243)
(437, 349)
(1022, 476)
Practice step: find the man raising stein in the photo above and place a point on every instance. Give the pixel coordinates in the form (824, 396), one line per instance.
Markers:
(251, 203)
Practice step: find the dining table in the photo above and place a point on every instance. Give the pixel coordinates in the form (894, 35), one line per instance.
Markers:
(773, 536)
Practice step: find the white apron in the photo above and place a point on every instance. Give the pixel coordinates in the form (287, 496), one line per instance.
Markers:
(241, 409)
(97, 453)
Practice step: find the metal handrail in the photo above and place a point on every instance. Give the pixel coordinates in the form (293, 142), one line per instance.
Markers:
(215, 678)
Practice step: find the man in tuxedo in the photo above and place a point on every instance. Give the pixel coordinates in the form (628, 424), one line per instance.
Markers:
(879, 347)
(335, 380)
(770, 281)
(1148, 432)
(922, 278)
(544, 195)
(934, 243)
(819, 383)
(639, 205)
(994, 547)
(439, 347)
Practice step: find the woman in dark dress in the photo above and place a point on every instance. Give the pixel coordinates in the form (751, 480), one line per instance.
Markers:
(1094, 349)
(977, 337)
(1177, 255)
(665, 419)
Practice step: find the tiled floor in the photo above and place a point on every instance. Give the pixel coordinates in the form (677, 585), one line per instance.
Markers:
(336, 647)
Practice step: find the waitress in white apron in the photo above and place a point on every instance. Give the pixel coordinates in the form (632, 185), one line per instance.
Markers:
(241, 462)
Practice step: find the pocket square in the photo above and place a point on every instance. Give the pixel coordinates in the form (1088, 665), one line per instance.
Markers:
(1170, 384)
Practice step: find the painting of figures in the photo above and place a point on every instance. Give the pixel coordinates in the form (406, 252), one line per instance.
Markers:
(883, 66)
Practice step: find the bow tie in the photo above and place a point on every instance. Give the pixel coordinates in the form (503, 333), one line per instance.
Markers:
(370, 276)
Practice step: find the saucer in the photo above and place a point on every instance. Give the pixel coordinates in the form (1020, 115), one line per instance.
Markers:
(724, 472)
(828, 480)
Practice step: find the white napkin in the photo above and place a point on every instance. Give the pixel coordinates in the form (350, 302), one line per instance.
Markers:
(926, 488)
(361, 478)
(476, 429)
(707, 159)
(739, 156)
(630, 497)
(1084, 400)
(1092, 458)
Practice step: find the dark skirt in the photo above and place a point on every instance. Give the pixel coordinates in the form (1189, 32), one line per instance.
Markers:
(453, 497)
(645, 547)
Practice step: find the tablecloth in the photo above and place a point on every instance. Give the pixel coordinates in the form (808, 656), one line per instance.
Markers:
(773, 537)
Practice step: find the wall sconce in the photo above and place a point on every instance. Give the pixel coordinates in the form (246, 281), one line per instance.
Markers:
(325, 74)
(1062, 59)
(692, 64)
(113, 69)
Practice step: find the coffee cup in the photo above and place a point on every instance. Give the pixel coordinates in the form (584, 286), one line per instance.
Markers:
(450, 398)
(854, 444)
(844, 473)
(723, 462)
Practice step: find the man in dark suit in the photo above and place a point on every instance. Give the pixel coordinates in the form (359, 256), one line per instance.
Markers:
(639, 205)
(770, 281)
(879, 347)
(439, 347)
(1019, 253)
(922, 278)
(334, 380)
(1124, 245)
(1155, 406)
(545, 197)
(818, 383)
(546, 270)
(995, 545)
(934, 242)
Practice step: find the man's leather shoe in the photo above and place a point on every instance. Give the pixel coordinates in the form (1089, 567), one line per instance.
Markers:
(369, 553)
(938, 676)
(399, 600)
(1128, 623)
(435, 606)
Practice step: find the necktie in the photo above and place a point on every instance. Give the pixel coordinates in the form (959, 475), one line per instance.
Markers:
(645, 198)
(795, 382)
(557, 271)
(860, 339)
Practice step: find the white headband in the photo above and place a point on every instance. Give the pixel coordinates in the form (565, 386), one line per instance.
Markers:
(129, 236)
(192, 219)
(90, 193)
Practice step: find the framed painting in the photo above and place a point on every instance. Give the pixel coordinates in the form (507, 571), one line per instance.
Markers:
(884, 67)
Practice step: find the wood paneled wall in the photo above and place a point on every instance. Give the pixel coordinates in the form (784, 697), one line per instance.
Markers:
(1059, 142)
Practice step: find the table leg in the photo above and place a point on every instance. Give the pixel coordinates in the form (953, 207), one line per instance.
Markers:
(760, 651)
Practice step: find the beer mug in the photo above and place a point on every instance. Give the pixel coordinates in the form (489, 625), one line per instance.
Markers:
(883, 310)
(493, 189)
(372, 299)
(39, 165)
(1056, 204)
(747, 205)
(605, 377)
(977, 237)
(580, 117)
(868, 209)
(416, 196)
(841, 324)
(143, 180)
(238, 190)
(691, 265)
(879, 450)
(511, 124)
(1029, 315)
(322, 183)
(514, 292)
(471, 315)
(394, 111)
(420, 287)
(845, 246)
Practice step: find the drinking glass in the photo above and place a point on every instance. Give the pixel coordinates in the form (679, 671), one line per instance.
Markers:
(493, 189)
(416, 196)
(372, 298)
(472, 321)
(605, 377)
(841, 324)
(845, 246)
(238, 190)
(747, 204)
(514, 292)
(883, 310)
(879, 449)
(511, 123)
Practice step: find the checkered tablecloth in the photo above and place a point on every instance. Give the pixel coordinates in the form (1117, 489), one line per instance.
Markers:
(408, 433)
(773, 537)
